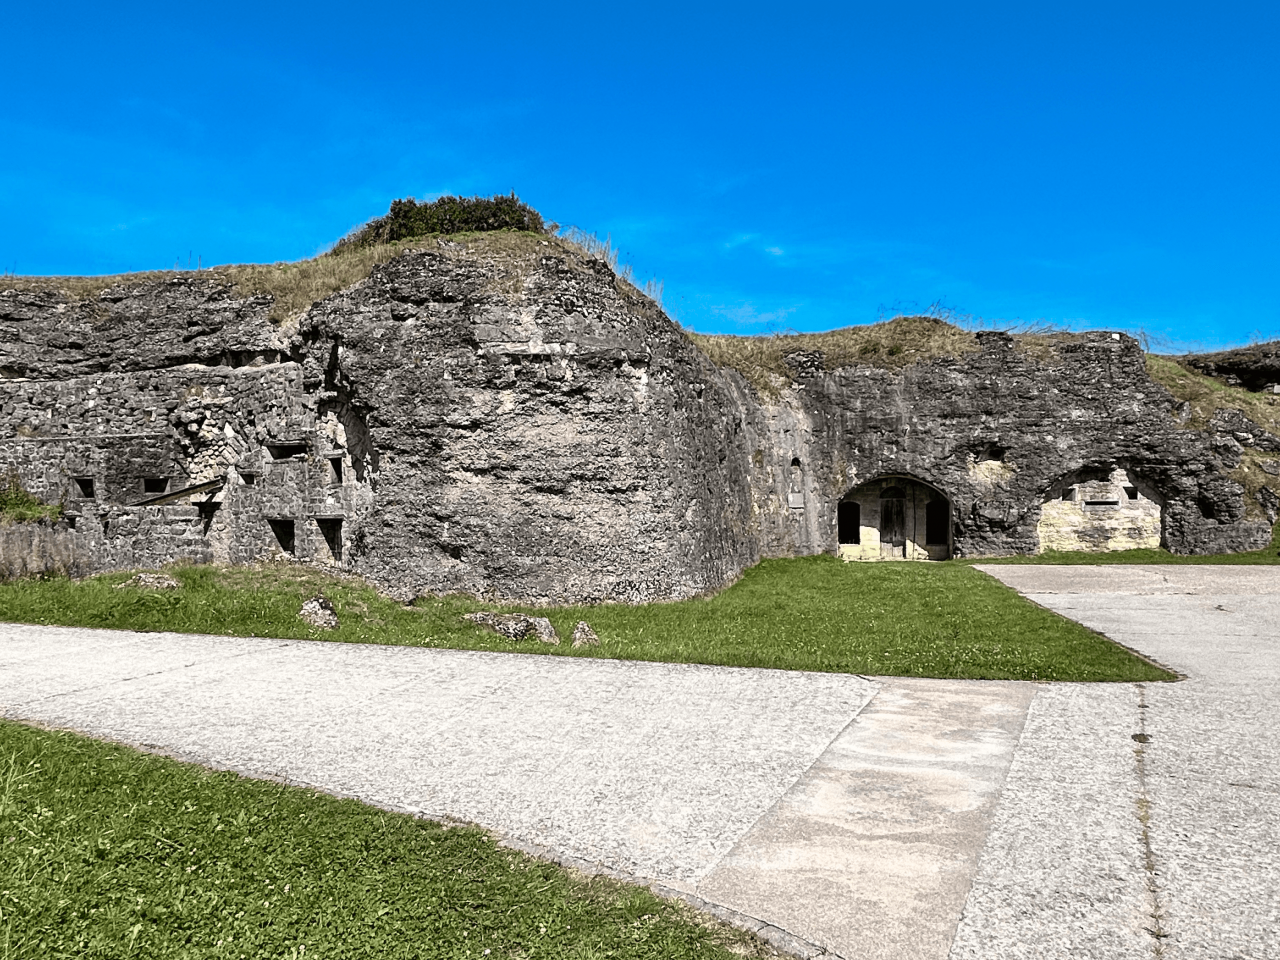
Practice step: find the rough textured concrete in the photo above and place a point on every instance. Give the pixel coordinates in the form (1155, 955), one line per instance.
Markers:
(1207, 780)
(654, 770)
(871, 853)
(504, 415)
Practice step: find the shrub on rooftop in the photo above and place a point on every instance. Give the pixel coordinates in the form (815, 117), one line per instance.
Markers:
(407, 218)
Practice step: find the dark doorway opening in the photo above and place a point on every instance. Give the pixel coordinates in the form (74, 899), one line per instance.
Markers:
(849, 522)
(937, 523)
(284, 531)
(331, 527)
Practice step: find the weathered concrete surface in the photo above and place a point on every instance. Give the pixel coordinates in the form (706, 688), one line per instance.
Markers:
(1077, 881)
(654, 770)
(873, 817)
(505, 416)
(871, 853)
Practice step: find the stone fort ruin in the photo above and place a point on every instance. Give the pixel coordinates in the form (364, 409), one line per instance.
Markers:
(502, 414)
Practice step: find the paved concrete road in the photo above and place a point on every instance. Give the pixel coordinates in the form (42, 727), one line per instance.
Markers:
(773, 794)
(868, 817)
(1106, 847)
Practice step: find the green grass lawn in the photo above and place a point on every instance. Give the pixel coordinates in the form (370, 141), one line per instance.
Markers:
(108, 852)
(813, 613)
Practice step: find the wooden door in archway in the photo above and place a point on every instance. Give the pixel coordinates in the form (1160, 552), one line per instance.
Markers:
(893, 522)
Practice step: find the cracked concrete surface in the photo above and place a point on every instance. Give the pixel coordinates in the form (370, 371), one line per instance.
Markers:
(842, 816)
(1070, 821)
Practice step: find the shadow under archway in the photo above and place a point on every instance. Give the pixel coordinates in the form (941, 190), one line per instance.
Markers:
(894, 517)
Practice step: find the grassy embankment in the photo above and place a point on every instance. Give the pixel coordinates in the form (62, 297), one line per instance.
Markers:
(814, 613)
(108, 852)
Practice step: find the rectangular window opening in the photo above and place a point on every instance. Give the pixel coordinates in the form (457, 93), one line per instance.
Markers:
(849, 522)
(85, 486)
(249, 479)
(1131, 493)
(1102, 503)
(1069, 493)
(287, 450)
(331, 527)
(284, 531)
(335, 469)
(155, 484)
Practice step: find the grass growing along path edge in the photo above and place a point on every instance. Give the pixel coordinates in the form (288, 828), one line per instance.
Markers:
(109, 852)
(811, 613)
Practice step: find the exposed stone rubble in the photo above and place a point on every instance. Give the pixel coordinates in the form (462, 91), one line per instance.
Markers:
(505, 417)
(151, 581)
(584, 636)
(516, 626)
(319, 612)
(1255, 367)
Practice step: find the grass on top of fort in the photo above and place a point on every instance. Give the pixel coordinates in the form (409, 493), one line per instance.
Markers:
(813, 613)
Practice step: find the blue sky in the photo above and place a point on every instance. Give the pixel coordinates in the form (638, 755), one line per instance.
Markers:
(795, 166)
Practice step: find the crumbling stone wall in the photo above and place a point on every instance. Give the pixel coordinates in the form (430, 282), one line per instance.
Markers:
(504, 416)
(541, 430)
(999, 431)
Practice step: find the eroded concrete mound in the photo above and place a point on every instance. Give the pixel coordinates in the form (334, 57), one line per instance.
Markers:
(506, 417)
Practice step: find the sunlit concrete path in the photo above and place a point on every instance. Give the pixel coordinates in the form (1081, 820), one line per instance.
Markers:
(847, 816)
(1143, 820)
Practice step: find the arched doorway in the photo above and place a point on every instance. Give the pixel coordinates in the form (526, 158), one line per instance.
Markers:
(894, 518)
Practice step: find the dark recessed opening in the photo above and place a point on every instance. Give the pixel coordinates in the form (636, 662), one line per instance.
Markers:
(849, 522)
(1131, 493)
(1102, 503)
(84, 485)
(1069, 493)
(991, 452)
(284, 451)
(795, 461)
(155, 484)
(454, 551)
(335, 469)
(937, 521)
(249, 479)
(207, 511)
(331, 527)
(284, 531)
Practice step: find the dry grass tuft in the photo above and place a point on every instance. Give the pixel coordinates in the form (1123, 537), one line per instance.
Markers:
(86, 288)
(295, 287)
(1206, 396)
(890, 345)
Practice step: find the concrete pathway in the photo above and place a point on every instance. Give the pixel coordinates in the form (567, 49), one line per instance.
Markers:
(841, 816)
(1106, 846)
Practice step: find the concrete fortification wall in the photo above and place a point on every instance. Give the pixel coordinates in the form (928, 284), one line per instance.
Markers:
(502, 415)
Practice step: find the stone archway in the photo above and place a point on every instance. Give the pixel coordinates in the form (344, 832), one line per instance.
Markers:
(893, 518)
